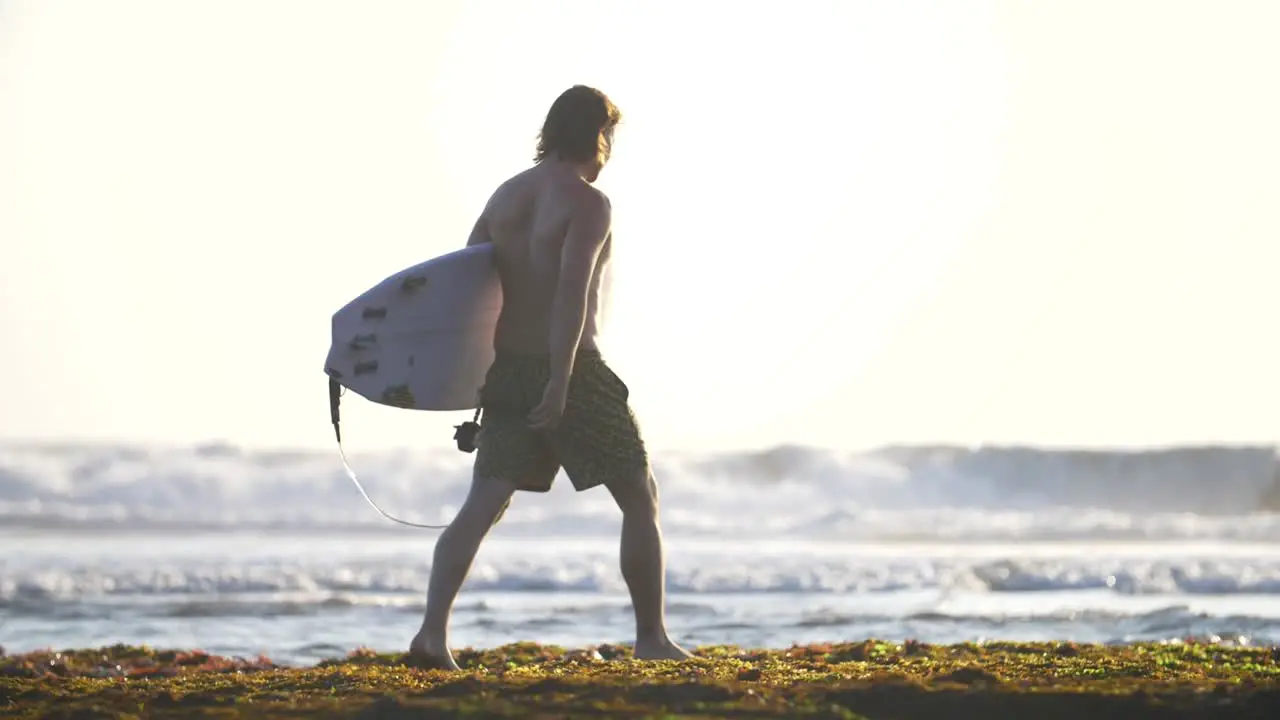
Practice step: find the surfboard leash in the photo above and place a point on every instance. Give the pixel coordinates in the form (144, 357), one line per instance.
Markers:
(335, 398)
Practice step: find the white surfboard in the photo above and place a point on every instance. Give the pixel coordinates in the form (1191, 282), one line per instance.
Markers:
(423, 338)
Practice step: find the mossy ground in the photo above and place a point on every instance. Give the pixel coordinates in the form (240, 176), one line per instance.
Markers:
(871, 679)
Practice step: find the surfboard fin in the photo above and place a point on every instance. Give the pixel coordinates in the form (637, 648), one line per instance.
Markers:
(335, 398)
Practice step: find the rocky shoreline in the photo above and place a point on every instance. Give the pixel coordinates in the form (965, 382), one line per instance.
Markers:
(847, 680)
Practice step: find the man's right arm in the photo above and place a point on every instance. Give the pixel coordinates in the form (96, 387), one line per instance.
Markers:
(588, 229)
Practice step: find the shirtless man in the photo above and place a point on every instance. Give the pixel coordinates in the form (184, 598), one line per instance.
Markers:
(549, 399)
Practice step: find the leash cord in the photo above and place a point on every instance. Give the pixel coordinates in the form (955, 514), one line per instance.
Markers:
(335, 395)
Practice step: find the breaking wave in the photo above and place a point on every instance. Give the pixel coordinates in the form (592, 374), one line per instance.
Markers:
(896, 493)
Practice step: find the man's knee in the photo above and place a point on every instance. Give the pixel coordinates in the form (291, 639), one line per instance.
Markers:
(488, 497)
(636, 495)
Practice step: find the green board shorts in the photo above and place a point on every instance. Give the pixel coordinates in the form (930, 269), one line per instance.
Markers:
(597, 440)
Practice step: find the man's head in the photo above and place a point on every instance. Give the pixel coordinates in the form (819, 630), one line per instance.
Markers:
(579, 129)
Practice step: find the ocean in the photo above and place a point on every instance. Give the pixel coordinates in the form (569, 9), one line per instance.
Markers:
(247, 552)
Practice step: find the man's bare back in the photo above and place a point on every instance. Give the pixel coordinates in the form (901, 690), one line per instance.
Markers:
(527, 219)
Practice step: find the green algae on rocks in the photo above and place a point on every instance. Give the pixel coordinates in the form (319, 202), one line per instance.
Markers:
(865, 679)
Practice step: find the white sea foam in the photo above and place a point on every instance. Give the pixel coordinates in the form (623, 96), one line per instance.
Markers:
(918, 493)
(311, 575)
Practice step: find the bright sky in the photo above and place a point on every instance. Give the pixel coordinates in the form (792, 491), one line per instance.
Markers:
(839, 223)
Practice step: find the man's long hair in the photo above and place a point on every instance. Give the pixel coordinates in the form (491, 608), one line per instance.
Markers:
(579, 127)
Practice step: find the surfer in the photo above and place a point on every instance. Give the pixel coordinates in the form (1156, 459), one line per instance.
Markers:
(549, 399)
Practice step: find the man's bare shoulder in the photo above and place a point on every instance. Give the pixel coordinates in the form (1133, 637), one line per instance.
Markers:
(505, 200)
(590, 223)
(586, 200)
(507, 187)
(573, 200)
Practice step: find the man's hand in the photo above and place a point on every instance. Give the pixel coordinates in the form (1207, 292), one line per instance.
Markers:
(548, 413)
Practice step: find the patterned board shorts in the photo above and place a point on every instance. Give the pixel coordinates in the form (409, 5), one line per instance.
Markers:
(597, 440)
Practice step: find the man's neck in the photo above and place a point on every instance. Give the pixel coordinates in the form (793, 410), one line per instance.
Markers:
(585, 171)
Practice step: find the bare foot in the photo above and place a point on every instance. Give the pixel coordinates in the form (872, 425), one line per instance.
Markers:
(427, 655)
(663, 649)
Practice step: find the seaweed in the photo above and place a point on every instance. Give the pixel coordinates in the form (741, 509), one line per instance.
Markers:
(848, 680)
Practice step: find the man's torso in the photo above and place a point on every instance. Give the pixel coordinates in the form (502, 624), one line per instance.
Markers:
(527, 219)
